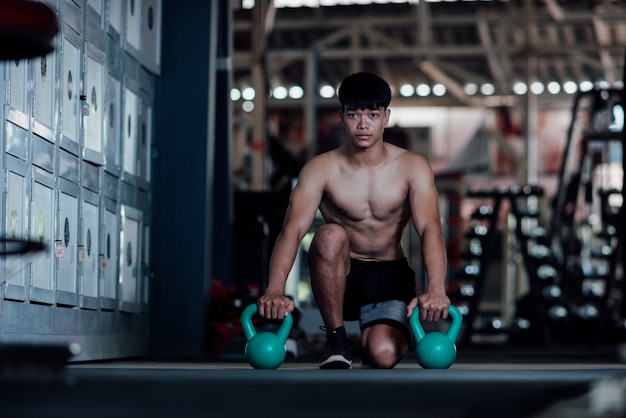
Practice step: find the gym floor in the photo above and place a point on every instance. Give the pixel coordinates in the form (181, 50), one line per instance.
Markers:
(483, 382)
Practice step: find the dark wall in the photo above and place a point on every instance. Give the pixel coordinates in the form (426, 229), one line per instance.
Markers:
(183, 180)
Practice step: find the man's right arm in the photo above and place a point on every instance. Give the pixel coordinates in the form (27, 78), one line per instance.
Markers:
(303, 204)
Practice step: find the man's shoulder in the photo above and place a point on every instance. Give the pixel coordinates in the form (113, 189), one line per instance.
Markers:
(326, 159)
(321, 165)
(406, 156)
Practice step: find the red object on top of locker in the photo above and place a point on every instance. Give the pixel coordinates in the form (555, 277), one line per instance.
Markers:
(27, 29)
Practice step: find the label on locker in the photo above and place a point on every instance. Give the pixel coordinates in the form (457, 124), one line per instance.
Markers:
(82, 254)
(103, 262)
(59, 249)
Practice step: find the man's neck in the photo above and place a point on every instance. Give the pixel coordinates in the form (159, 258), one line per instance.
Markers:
(370, 156)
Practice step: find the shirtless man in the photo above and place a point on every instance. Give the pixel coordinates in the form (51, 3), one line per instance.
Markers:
(367, 190)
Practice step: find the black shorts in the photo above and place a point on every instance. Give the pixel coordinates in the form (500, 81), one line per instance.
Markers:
(370, 282)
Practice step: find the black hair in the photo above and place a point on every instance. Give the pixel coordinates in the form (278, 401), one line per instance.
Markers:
(364, 91)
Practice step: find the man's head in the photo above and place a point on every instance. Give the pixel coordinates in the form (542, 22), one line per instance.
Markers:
(364, 91)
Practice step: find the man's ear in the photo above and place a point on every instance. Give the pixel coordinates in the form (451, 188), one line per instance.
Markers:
(387, 115)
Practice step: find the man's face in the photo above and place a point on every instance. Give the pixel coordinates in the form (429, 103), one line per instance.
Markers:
(365, 126)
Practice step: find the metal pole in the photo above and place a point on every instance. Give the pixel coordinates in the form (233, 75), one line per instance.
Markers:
(310, 90)
(530, 171)
(259, 114)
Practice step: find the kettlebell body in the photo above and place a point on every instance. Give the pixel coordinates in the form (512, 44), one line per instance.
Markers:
(265, 350)
(436, 350)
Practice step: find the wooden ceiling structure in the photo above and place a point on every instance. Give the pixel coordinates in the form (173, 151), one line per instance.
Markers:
(448, 42)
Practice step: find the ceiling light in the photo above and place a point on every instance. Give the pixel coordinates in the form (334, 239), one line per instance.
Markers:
(471, 89)
(586, 86)
(487, 89)
(296, 92)
(537, 87)
(235, 94)
(554, 87)
(439, 89)
(570, 87)
(327, 91)
(248, 93)
(280, 93)
(520, 88)
(407, 90)
(422, 90)
(247, 106)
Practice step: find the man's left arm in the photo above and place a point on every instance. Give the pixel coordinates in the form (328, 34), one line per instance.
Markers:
(426, 218)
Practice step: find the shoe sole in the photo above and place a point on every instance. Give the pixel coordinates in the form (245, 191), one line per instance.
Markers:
(336, 362)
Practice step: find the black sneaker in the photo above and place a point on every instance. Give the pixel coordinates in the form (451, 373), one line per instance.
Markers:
(338, 353)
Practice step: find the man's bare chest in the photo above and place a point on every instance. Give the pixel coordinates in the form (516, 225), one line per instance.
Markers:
(366, 198)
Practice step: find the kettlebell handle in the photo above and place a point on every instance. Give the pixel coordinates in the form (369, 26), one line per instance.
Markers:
(453, 330)
(248, 327)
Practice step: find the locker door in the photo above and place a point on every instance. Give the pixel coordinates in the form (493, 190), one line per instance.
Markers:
(115, 17)
(66, 244)
(151, 34)
(16, 141)
(95, 7)
(145, 267)
(89, 249)
(18, 92)
(42, 230)
(129, 258)
(44, 73)
(145, 141)
(112, 121)
(70, 85)
(93, 117)
(15, 226)
(110, 256)
(130, 130)
(133, 24)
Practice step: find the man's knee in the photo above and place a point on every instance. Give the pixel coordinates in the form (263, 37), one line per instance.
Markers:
(330, 241)
(384, 356)
(384, 346)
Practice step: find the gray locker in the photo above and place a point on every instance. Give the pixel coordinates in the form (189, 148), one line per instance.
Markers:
(75, 140)
(95, 10)
(16, 140)
(110, 257)
(133, 26)
(42, 230)
(70, 83)
(18, 93)
(130, 132)
(68, 166)
(115, 18)
(144, 144)
(66, 243)
(44, 74)
(112, 124)
(130, 219)
(43, 154)
(88, 252)
(71, 14)
(151, 35)
(145, 268)
(15, 226)
(93, 105)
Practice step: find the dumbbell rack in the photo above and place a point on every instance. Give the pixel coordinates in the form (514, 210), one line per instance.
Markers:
(483, 242)
(587, 213)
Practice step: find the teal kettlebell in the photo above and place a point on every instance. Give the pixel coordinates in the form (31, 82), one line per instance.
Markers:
(265, 350)
(436, 350)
